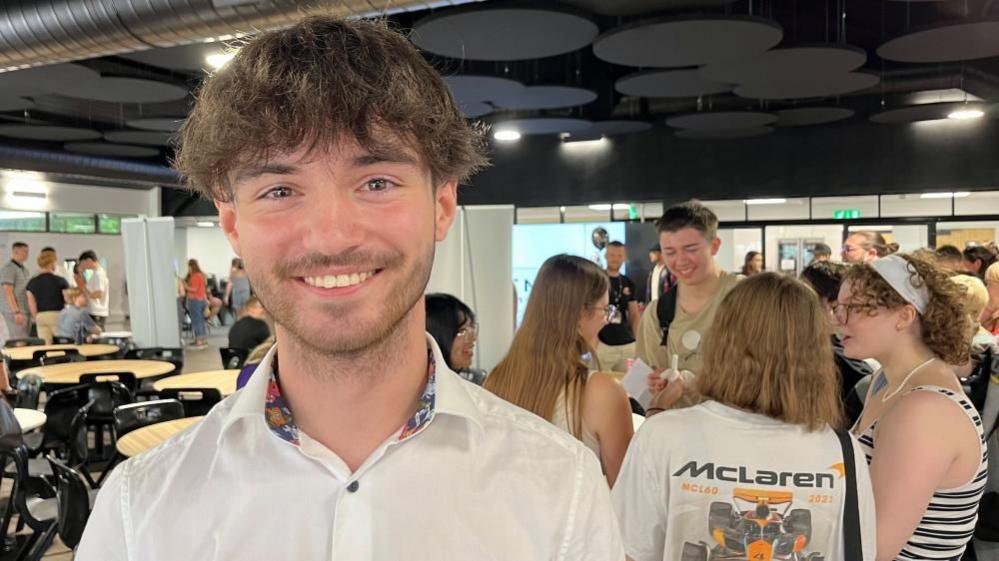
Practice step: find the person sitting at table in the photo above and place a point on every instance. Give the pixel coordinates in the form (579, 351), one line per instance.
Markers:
(251, 329)
(75, 321)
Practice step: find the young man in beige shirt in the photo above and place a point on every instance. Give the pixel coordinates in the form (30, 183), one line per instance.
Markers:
(688, 235)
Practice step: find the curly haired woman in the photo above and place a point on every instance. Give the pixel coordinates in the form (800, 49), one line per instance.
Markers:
(921, 435)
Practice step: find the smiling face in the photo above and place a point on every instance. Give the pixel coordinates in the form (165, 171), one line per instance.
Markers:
(338, 243)
(689, 255)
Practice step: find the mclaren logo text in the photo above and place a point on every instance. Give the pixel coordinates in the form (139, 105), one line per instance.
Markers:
(744, 475)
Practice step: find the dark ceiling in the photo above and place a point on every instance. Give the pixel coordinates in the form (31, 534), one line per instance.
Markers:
(863, 24)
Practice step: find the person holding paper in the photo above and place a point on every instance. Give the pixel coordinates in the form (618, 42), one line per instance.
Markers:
(688, 235)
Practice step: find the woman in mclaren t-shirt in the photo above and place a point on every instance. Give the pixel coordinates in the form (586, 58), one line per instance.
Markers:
(755, 472)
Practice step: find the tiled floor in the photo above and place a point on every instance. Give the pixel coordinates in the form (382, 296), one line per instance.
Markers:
(195, 360)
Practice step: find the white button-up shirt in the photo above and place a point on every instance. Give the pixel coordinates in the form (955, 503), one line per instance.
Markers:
(482, 479)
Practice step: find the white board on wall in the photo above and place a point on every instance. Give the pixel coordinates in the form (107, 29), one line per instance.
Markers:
(152, 294)
(475, 264)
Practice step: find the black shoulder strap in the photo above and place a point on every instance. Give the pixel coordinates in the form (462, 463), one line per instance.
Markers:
(851, 512)
(666, 311)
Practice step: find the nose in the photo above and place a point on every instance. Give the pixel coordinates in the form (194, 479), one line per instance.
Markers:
(332, 223)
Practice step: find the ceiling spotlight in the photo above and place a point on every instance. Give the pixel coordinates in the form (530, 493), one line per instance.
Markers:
(765, 201)
(506, 135)
(218, 60)
(966, 114)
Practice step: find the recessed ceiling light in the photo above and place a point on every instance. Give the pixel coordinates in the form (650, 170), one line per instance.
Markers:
(957, 195)
(506, 135)
(966, 114)
(606, 206)
(218, 60)
(765, 201)
(206, 224)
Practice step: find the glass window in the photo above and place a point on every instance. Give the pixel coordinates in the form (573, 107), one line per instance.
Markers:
(72, 223)
(111, 223)
(735, 243)
(727, 211)
(651, 211)
(845, 208)
(976, 202)
(960, 234)
(778, 209)
(916, 204)
(538, 215)
(22, 221)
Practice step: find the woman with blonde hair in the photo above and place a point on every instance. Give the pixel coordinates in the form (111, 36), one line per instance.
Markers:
(921, 434)
(762, 452)
(990, 315)
(545, 370)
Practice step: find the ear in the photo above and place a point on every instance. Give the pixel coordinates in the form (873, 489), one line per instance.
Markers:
(907, 315)
(715, 246)
(445, 208)
(229, 223)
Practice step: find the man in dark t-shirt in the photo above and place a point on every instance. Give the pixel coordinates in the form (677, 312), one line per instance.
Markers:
(45, 296)
(251, 329)
(617, 338)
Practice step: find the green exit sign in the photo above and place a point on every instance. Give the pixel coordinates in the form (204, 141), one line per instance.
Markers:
(847, 213)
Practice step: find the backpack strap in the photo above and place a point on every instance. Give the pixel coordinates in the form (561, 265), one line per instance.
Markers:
(665, 312)
(852, 545)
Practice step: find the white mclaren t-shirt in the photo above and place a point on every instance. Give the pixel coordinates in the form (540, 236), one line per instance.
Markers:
(714, 482)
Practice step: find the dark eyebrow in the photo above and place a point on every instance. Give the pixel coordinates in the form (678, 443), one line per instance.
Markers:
(386, 155)
(248, 173)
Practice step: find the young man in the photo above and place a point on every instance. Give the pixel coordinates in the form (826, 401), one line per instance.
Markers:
(688, 235)
(14, 304)
(617, 338)
(333, 151)
(96, 287)
(864, 246)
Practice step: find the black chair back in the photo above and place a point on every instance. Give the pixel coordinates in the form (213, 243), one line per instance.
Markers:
(104, 398)
(57, 340)
(232, 358)
(73, 495)
(46, 358)
(126, 379)
(197, 401)
(23, 342)
(133, 416)
(61, 409)
(28, 389)
(173, 355)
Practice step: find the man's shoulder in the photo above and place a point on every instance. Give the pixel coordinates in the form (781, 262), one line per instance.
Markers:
(502, 419)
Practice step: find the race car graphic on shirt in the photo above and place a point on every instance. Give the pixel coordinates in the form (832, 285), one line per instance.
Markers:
(757, 525)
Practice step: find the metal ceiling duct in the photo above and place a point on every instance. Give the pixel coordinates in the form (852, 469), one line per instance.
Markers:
(37, 32)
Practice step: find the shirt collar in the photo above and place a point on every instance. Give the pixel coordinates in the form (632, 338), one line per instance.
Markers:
(445, 393)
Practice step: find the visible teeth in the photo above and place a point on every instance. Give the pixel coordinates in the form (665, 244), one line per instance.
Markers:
(338, 281)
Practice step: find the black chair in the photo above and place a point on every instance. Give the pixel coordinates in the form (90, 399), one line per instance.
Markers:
(126, 379)
(173, 355)
(46, 358)
(233, 358)
(57, 340)
(128, 418)
(65, 430)
(14, 455)
(197, 401)
(104, 398)
(28, 389)
(23, 342)
(74, 502)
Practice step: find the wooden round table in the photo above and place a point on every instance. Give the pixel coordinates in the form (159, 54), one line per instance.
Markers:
(140, 440)
(222, 380)
(29, 419)
(69, 373)
(26, 353)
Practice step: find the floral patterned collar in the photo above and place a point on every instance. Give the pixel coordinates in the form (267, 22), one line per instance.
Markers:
(282, 424)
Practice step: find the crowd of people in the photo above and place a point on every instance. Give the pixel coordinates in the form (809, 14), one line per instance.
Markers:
(54, 305)
(357, 429)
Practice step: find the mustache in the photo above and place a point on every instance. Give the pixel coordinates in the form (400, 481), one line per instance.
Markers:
(356, 259)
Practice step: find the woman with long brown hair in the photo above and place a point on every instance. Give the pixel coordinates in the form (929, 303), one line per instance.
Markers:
(545, 370)
(757, 467)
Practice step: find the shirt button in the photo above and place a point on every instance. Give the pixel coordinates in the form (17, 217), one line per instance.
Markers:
(353, 487)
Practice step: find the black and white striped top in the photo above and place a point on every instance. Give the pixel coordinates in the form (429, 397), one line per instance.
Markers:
(949, 521)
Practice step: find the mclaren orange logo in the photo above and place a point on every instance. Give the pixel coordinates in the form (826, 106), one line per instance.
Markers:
(746, 475)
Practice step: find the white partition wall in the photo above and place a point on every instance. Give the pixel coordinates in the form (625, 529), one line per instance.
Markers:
(152, 294)
(475, 264)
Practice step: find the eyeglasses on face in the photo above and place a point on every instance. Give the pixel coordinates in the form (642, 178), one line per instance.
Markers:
(842, 312)
(610, 312)
(469, 331)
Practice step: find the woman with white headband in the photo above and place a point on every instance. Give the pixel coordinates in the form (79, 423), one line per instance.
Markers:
(922, 437)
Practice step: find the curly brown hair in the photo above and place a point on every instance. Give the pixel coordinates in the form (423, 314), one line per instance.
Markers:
(946, 326)
(315, 84)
